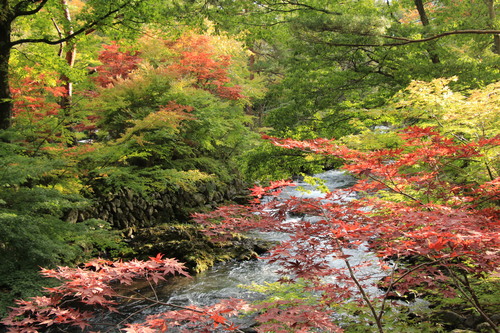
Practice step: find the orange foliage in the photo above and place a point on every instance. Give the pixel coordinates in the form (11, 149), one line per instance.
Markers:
(197, 58)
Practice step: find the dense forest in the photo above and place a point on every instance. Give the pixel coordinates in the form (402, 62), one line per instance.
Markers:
(134, 129)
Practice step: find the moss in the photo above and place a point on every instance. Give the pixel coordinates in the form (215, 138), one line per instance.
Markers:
(189, 245)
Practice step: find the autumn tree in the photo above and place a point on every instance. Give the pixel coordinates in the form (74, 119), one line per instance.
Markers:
(197, 59)
(427, 207)
(203, 75)
(96, 15)
(432, 230)
(37, 115)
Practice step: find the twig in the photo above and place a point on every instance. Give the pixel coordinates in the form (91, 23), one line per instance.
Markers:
(157, 302)
(472, 300)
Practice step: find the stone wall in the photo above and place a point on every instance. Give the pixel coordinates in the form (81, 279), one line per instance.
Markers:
(126, 209)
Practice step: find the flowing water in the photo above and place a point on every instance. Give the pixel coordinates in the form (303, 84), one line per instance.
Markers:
(225, 280)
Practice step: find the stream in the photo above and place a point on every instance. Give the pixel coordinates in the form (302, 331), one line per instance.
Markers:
(225, 279)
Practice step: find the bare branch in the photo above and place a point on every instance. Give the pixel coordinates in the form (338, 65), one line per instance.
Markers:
(300, 6)
(70, 36)
(406, 41)
(18, 11)
(59, 33)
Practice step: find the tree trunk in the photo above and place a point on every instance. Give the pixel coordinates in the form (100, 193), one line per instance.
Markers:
(425, 22)
(5, 47)
(421, 12)
(66, 101)
(492, 16)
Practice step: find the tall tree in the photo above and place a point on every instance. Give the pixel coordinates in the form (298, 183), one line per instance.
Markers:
(96, 15)
(334, 55)
(425, 22)
(68, 52)
(493, 16)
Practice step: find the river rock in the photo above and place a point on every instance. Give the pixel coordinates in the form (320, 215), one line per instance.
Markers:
(473, 320)
(484, 327)
(72, 216)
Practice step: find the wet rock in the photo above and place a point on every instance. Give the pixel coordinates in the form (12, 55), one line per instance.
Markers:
(198, 199)
(117, 202)
(82, 216)
(126, 208)
(72, 216)
(129, 204)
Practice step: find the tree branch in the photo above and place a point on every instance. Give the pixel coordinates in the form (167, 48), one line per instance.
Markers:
(20, 12)
(158, 302)
(471, 299)
(406, 41)
(71, 36)
(301, 6)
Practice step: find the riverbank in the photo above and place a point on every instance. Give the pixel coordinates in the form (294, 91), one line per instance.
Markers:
(188, 244)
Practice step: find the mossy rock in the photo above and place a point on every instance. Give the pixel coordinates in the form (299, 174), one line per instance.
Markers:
(188, 244)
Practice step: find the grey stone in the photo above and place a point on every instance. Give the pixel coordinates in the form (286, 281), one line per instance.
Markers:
(452, 318)
(484, 327)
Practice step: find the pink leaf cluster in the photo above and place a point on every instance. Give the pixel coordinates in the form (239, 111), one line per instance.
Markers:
(89, 287)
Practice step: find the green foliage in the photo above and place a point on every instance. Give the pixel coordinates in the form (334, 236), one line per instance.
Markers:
(36, 193)
(278, 291)
(17, 168)
(20, 284)
(222, 171)
(357, 320)
(323, 62)
(142, 180)
(43, 201)
(30, 239)
(463, 116)
(485, 289)
(183, 115)
(470, 115)
(130, 100)
(369, 139)
(268, 162)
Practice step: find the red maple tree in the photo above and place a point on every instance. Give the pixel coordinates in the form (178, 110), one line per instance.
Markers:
(116, 64)
(92, 289)
(196, 58)
(429, 232)
(37, 115)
